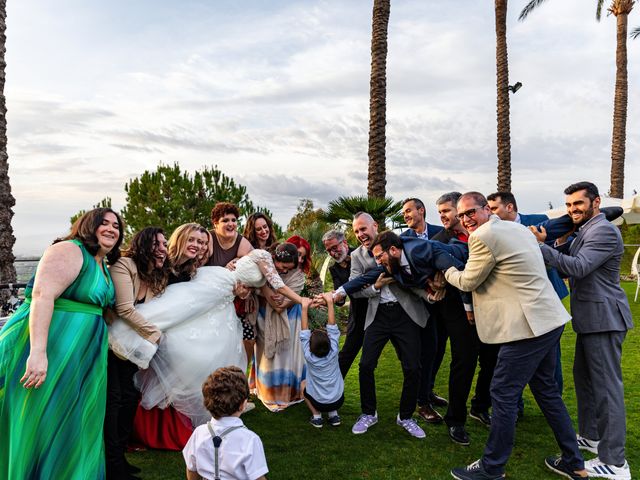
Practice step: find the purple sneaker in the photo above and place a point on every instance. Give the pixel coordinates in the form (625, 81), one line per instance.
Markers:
(363, 423)
(411, 426)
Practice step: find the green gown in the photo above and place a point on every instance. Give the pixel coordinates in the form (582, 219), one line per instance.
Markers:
(55, 432)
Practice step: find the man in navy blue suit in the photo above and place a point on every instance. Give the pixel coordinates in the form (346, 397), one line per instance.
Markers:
(415, 216)
(434, 339)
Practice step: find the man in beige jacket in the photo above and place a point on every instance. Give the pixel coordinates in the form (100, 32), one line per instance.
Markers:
(515, 305)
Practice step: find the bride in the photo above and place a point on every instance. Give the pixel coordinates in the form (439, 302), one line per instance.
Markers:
(201, 331)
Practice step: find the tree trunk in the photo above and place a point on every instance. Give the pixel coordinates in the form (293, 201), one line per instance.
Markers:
(502, 74)
(378, 100)
(7, 269)
(619, 136)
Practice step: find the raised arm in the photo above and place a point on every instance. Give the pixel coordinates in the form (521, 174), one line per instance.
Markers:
(304, 320)
(331, 314)
(354, 286)
(58, 268)
(595, 251)
(264, 261)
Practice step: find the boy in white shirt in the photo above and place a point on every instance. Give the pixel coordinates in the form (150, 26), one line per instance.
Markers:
(325, 387)
(240, 454)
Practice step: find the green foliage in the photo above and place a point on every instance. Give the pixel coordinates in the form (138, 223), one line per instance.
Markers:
(306, 215)
(104, 203)
(169, 197)
(383, 210)
(308, 223)
(630, 236)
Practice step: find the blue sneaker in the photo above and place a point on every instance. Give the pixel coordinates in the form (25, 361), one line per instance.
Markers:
(474, 471)
(316, 422)
(334, 421)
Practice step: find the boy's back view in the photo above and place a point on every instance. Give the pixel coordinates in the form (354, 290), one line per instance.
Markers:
(240, 454)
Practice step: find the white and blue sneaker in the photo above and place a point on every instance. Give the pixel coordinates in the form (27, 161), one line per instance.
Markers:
(598, 469)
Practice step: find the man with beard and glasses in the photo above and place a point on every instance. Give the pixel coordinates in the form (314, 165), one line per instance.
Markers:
(336, 246)
(601, 318)
(515, 306)
(393, 314)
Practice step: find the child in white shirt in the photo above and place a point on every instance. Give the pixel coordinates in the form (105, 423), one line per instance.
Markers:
(324, 391)
(240, 453)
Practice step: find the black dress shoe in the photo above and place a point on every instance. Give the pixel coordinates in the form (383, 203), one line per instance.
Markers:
(483, 417)
(437, 400)
(428, 414)
(459, 435)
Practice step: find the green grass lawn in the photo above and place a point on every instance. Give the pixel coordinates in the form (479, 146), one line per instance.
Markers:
(297, 450)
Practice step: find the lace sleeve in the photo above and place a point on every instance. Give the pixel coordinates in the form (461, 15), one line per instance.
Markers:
(264, 261)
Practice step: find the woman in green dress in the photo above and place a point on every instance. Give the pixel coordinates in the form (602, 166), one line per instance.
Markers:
(53, 357)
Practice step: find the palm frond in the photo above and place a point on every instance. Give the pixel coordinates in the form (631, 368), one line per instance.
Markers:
(343, 209)
(635, 33)
(599, 9)
(529, 7)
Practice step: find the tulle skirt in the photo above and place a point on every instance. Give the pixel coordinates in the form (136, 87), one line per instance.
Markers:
(201, 333)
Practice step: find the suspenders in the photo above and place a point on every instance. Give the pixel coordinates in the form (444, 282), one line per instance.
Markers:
(217, 440)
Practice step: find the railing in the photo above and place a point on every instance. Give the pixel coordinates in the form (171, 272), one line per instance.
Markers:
(25, 268)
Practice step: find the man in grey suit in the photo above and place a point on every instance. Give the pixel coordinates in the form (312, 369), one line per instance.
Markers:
(394, 314)
(601, 318)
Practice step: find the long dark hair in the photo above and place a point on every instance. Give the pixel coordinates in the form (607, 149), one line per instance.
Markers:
(85, 227)
(140, 251)
(250, 230)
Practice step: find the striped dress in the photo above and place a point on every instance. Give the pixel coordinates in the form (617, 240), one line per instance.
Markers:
(55, 431)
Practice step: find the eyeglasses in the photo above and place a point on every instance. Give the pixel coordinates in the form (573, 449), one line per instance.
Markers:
(334, 249)
(471, 213)
(379, 256)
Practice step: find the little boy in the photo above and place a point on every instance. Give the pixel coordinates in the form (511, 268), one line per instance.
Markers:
(325, 387)
(239, 454)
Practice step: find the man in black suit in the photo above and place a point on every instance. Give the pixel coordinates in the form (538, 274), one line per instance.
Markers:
(336, 246)
(457, 320)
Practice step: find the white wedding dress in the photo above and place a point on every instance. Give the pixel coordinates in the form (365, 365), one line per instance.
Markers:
(201, 333)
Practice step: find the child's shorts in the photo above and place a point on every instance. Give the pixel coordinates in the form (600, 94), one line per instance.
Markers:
(324, 407)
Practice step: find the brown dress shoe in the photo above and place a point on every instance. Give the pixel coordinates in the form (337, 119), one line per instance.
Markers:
(428, 414)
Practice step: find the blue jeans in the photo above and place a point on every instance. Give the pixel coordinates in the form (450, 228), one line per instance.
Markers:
(531, 361)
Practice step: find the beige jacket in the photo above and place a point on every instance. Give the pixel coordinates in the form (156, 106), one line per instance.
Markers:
(126, 281)
(513, 298)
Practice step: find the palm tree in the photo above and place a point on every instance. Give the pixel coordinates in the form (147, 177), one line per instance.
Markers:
(502, 85)
(621, 10)
(378, 100)
(7, 240)
(635, 33)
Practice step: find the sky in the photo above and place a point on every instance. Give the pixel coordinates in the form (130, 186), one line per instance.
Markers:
(276, 94)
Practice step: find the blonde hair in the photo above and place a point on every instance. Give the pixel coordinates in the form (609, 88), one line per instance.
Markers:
(177, 245)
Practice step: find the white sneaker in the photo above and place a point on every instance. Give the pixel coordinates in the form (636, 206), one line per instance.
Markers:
(588, 445)
(248, 407)
(598, 469)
